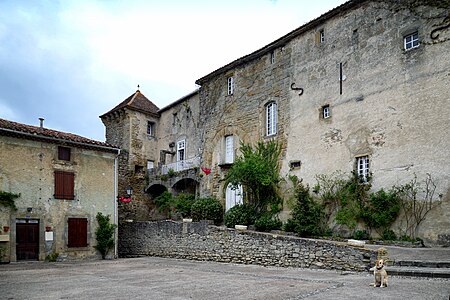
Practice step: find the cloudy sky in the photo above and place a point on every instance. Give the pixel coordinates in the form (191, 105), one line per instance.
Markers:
(70, 61)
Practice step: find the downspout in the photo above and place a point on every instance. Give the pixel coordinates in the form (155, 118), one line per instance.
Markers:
(116, 181)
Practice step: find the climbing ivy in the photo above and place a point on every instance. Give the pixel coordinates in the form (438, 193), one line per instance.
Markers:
(7, 199)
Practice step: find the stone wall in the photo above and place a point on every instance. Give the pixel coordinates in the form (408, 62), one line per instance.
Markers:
(200, 241)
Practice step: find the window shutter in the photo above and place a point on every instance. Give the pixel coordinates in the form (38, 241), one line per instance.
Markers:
(77, 232)
(64, 185)
(229, 149)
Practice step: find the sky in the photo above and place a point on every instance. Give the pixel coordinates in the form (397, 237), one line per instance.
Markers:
(70, 61)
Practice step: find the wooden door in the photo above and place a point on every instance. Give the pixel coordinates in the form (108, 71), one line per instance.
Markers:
(27, 240)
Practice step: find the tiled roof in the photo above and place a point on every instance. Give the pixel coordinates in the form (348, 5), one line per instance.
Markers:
(137, 101)
(10, 128)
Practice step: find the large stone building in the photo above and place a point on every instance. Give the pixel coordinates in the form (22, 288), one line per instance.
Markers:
(63, 180)
(361, 88)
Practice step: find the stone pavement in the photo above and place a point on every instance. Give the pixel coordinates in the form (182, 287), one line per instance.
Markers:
(160, 278)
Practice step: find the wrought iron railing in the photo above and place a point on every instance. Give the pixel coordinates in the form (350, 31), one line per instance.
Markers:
(181, 165)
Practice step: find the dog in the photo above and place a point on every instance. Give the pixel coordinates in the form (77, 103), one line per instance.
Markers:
(379, 274)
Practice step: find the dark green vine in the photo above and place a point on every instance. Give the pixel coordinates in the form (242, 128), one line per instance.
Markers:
(7, 199)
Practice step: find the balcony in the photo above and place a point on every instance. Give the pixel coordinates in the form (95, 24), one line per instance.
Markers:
(181, 165)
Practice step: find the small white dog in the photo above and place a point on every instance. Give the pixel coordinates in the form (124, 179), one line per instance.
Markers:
(380, 274)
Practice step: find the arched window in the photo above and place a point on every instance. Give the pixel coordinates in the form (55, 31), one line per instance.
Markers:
(271, 119)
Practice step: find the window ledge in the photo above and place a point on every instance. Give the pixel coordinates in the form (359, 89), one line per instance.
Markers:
(226, 165)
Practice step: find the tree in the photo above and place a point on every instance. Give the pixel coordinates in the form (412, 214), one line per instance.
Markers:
(257, 170)
(104, 234)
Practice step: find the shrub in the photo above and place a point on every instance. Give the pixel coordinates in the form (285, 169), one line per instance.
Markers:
(104, 235)
(241, 214)
(52, 257)
(307, 215)
(207, 209)
(267, 222)
(183, 204)
(361, 235)
(164, 201)
(389, 235)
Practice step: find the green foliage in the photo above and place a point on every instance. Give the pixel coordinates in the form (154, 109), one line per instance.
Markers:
(388, 235)
(361, 235)
(257, 170)
(207, 209)
(164, 201)
(171, 173)
(104, 235)
(241, 214)
(307, 214)
(52, 257)
(381, 210)
(267, 222)
(7, 199)
(183, 204)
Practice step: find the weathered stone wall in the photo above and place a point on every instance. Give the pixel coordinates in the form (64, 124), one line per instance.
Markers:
(27, 167)
(200, 241)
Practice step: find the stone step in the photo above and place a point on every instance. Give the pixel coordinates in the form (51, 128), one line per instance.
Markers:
(422, 264)
(419, 272)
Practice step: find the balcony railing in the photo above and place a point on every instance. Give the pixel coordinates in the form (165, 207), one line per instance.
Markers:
(181, 165)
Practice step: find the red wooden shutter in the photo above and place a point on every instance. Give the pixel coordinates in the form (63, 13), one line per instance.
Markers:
(64, 185)
(77, 232)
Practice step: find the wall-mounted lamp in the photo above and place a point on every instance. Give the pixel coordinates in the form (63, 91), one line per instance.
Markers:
(127, 197)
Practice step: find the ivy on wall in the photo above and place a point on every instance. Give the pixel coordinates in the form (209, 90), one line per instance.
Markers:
(7, 199)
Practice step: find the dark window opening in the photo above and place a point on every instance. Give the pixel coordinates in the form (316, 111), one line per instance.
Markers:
(63, 153)
(138, 169)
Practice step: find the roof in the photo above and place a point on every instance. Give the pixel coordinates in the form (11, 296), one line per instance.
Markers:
(137, 101)
(9, 128)
(283, 40)
(181, 100)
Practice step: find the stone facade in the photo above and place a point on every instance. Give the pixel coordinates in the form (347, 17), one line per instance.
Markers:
(345, 88)
(200, 241)
(28, 160)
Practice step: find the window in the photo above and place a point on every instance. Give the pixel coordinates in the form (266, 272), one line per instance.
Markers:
(77, 232)
(326, 113)
(150, 164)
(63, 153)
(64, 185)
(150, 128)
(411, 41)
(233, 196)
(229, 149)
(181, 150)
(230, 85)
(138, 169)
(271, 119)
(321, 36)
(272, 57)
(362, 165)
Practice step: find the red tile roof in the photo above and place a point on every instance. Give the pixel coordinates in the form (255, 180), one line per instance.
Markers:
(10, 128)
(137, 101)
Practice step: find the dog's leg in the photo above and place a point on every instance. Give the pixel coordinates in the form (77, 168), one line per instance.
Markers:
(382, 281)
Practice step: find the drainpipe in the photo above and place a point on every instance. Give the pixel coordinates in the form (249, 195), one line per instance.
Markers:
(116, 180)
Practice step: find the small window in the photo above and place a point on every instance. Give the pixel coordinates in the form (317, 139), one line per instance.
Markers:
(138, 169)
(411, 41)
(326, 113)
(64, 153)
(229, 149)
(77, 232)
(271, 119)
(181, 147)
(321, 36)
(272, 57)
(230, 85)
(150, 128)
(150, 164)
(295, 164)
(64, 185)
(362, 168)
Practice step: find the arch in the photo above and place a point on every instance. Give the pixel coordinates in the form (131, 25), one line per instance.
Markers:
(155, 190)
(186, 186)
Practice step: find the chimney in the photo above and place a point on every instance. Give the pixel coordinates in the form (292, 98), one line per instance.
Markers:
(41, 120)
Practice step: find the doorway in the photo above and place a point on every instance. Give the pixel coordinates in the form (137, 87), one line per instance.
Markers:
(27, 239)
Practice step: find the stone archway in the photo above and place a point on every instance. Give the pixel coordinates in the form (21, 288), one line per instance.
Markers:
(155, 190)
(185, 186)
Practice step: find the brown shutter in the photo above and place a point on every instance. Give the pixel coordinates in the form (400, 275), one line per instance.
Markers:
(64, 185)
(77, 232)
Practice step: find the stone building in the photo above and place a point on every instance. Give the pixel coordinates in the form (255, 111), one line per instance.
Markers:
(361, 88)
(63, 180)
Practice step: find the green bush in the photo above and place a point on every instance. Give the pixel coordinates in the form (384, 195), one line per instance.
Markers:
(207, 209)
(52, 257)
(241, 214)
(183, 204)
(104, 235)
(361, 235)
(164, 201)
(389, 235)
(307, 215)
(267, 222)
(381, 210)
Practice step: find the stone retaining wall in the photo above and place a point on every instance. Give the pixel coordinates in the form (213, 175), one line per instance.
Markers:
(201, 241)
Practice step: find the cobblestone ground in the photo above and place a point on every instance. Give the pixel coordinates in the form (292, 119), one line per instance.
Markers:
(159, 278)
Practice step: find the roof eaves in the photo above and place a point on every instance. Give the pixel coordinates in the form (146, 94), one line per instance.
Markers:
(176, 102)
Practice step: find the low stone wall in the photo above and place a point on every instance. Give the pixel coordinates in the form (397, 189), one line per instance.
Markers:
(201, 241)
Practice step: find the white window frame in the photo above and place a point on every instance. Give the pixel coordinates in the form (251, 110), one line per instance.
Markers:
(321, 36)
(150, 164)
(150, 128)
(230, 85)
(271, 119)
(229, 149)
(233, 197)
(363, 167)
(181, 150)
(411, 41)
(326, 113)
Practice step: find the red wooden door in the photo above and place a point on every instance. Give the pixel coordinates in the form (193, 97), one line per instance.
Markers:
(27, 241)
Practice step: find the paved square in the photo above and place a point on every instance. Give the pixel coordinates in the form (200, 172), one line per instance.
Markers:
(160, 278)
